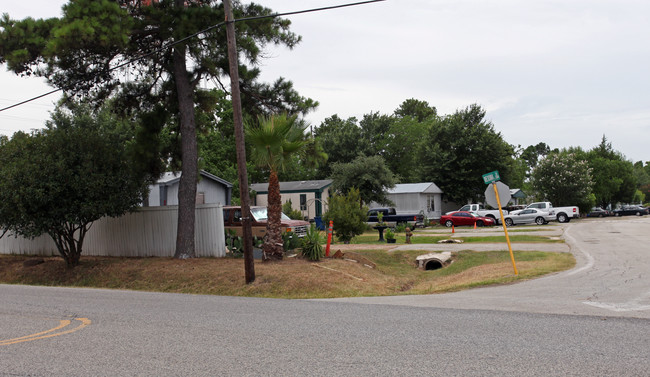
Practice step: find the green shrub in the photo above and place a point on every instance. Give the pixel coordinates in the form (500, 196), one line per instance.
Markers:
(235, 244)
(389, 234)
(349, 218)
(290, 241)
(311, 244)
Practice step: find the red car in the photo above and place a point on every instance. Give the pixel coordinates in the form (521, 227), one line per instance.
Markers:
(465, 218)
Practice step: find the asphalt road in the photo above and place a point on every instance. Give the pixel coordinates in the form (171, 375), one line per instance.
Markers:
(612, 277)
(590, 321)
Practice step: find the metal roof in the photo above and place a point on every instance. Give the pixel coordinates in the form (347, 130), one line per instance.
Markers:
(294, 186)
(174, 176)
(517, 193)
(420, 188)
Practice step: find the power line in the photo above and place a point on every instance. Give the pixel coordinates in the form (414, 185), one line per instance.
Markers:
(215, 26)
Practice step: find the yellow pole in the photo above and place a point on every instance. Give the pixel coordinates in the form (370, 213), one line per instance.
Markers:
(505, 228)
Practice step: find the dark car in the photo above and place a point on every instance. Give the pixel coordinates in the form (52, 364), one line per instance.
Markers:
(465, 218)
(630, 211)
(598, 212)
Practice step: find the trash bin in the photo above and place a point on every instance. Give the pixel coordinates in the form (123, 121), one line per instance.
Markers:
(319, 223)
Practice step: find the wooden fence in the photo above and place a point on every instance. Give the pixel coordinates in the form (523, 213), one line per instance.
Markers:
(149, 232)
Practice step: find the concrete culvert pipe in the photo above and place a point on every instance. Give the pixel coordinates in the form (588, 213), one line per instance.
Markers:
(433, 265)
(433, 261)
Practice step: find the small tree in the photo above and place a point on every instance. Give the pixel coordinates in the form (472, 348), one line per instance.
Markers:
(349, 219)
(369, 175)
(59, 180)
(273, 140)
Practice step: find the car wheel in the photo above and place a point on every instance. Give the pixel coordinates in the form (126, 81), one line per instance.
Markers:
(601, 215)
(562, 218)
(617, 214)
(540, 221)
(509, 222)
(479, 223)
(449, 223)
(638, 213)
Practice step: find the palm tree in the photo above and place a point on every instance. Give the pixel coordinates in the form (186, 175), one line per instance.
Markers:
(273, 140)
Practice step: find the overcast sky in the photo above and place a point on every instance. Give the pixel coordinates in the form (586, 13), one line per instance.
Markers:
(560, 72)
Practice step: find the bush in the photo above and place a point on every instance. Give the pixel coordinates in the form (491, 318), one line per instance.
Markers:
(290, 241)
(311, 244)
(235, 244)
(348, 217)
(389, 234)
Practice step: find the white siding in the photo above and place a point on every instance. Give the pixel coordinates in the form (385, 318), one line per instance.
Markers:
(150, 232)
(310, 212)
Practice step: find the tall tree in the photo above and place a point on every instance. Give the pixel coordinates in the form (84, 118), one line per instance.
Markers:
(564, 179)
(339, 139)
(273, 140)
(374, 129)
(58, 181)
(76, 53)
(417, 109)
(459, 149)
(643, 177)
(402, 139)
(614, 179)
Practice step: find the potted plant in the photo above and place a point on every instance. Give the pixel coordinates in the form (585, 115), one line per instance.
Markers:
(390, 236)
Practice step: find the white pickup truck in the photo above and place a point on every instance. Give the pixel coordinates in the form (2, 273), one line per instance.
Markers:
(561, 214)
(481, 211)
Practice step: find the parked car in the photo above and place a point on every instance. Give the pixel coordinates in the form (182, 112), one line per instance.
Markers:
(529, 216)
(482, 211)
(630, 210)
(465, 218)
(598, 212)
(232, 219)
(391, 218)
(561, 214)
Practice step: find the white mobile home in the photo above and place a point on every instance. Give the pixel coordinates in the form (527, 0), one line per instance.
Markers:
(209, 190)
(416, 197)
(308, 197)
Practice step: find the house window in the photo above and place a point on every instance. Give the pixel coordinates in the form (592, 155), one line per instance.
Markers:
(431, 206)
(200, 198)
(303, 202)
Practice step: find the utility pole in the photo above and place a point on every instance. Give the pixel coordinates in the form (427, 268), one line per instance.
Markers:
(249, 263)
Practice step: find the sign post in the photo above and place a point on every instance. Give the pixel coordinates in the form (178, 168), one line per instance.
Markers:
(494, 200)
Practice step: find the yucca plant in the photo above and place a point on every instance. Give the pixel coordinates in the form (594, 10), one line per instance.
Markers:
(311, 244)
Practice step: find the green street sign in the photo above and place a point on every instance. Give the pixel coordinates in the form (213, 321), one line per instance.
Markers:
(491, 177)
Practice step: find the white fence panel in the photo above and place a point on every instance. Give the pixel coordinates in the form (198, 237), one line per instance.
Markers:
(149, 232)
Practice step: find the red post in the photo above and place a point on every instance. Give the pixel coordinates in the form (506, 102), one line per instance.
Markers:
(329, 239)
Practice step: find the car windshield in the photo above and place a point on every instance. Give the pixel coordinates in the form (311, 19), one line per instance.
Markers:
(260, 214)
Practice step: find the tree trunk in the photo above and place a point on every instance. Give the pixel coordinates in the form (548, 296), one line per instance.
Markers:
(69, 247)
(273, 249)
(189, 158)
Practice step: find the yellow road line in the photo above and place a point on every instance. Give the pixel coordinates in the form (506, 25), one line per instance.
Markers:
(41, 335)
